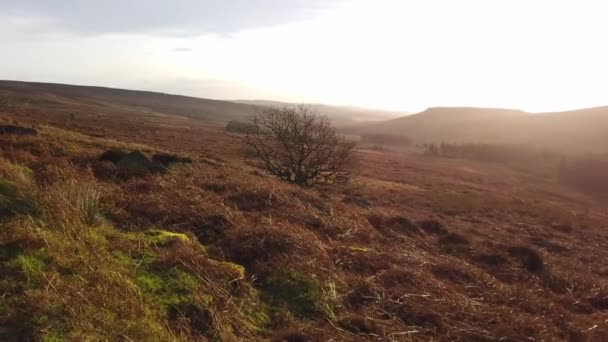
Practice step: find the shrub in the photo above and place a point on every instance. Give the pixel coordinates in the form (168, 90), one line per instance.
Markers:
(299, 146)
(73, 203)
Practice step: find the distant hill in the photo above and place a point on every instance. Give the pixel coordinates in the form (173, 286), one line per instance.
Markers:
(339, 114)
(69, 97)
(583, 130)
(63, 97)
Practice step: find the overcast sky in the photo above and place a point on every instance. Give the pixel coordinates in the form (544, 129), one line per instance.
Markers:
(538, 55)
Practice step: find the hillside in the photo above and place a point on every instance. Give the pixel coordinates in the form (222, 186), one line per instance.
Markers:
(63, 98)
(413, 248)
(71, 98)
(574, 131)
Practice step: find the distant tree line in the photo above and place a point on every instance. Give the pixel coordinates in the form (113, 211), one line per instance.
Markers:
(239, 127)
(500, 153)
(385, 139)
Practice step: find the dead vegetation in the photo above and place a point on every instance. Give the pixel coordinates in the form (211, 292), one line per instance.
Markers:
(412, 249)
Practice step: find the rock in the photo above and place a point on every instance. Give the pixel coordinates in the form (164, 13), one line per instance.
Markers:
(114, 156)
(136, 163)
(166, 159)
(17, 130)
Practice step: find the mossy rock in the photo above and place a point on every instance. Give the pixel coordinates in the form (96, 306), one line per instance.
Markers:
(161, 237)
(236, 268)
(165, 238)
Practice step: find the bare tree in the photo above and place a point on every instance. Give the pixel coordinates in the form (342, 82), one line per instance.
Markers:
(299, 146)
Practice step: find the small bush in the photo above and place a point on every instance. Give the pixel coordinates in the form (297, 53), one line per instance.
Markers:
(73, 203)
(299, 146)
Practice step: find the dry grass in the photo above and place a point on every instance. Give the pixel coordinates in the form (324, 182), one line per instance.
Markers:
(413, 248)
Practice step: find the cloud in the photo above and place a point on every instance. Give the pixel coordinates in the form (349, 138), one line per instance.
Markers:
(176, 18)
(183, 49)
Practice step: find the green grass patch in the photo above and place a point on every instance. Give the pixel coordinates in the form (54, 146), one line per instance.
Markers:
(167, 288)
(31, 266)
(300, 293)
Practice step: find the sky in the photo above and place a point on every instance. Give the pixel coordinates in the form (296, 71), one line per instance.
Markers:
(536, 55)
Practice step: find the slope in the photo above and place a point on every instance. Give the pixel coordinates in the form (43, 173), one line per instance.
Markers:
(71, 98)
(412, 249)
(576, 131)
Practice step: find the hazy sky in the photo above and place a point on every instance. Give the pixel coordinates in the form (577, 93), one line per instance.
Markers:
(537, 55)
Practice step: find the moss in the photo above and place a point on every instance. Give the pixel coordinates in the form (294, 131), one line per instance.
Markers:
(169, 288)
(31, 266)
(301, 293)
(97, 237)
(252, 310)
(123, 259)
(164, 238)
(238, 269)
(53, 338)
